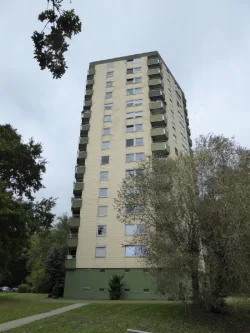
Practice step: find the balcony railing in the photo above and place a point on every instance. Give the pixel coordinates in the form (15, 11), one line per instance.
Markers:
(160, 149)
(159, 134)
(154, 62)
(157, 107)
(74, 221)
(158, 120)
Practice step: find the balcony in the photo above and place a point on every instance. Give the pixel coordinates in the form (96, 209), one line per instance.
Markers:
(74, 222)
(187, 120)
(158, 120)
(72, 240)
(190, 142)
(86, 117)
(157, 108)
(76, 205)
(154, 62)
(84, 130)
(70, 262)
(156, 93)
(79, 171)
(83, 143)
(155, 72)
(160, 149)
(156, 84)
(90, 82)
(188, 131)
(88, 103)
(78, 187)
(91, 71)
(159, 134)
(89, 92)
(82, 155)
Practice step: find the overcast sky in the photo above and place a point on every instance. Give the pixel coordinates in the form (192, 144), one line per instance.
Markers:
(206, 45)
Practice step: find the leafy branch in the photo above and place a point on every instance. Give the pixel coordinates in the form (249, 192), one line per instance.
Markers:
(51, 46)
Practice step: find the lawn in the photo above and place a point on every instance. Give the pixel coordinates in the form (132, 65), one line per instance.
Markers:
(14, 306)
(165, 317)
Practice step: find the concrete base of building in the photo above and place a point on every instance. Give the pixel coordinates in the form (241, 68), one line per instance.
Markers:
(83, 283)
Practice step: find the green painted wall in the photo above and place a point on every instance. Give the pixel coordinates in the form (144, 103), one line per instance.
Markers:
(86, 284)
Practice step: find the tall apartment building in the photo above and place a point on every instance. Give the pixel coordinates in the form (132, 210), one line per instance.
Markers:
(133, 107)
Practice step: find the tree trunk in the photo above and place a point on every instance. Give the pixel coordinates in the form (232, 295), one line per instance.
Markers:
(195, 283)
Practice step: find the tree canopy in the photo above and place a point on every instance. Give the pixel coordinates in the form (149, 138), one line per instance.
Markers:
(192, 214)
(21, 170)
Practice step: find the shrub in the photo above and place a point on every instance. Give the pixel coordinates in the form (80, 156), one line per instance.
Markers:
(115, 287)
(24, 288)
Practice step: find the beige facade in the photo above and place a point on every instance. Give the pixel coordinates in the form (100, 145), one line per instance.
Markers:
(178, 138)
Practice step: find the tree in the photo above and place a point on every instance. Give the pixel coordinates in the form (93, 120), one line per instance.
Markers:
(195, 214)
(51, 44)
(115, 287)
(21, 169)
(55, 264)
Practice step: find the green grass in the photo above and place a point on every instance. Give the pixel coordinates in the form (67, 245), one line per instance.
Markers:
(14, 306)
(165, 317)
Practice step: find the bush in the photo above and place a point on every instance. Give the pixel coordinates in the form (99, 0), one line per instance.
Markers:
(115, 287)
(24, 288)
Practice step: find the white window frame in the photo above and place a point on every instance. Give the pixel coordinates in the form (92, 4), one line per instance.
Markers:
(106, 128)
(103, 189)
(132, 172)
(134, 80)
(134, 250)
(174, 138)
(104, 163)
(108, 75)
(133, 61)
(100, 256)
(106, 210)
(108, 106)
(135, 157)
(139, 229)
(107, 94)
(107, 144)
(109, 116)
(109, 86)
(104, 228)
(172, 113)
(134, 142)
(134, 128)
(134, 91)
(104, 173)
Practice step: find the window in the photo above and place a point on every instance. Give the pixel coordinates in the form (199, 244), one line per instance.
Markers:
(176, 151)
(102, 210)
(180, 115)
(106, 131)
(102, 270)
(103, 192)
(134, 70)
(134, 61)
(168, 80)
(133, 172)
(134, 210)
(173, 127)
(108, 94)
(104, 175)
(171, 100)
(183, 137)
(131, 115)
(174, 138)
(101, 289)
(107, 118)
(110, 64)
(136, 102)
(185, 149)
(134, 80)
(169, 90)
(146, 290)
(134, 142)
(105, 160)
(135, 229)
(134, 128)
(110, 74)
(135, 251)
(127, 290)
(183, 127)
(126, 270)
(135, 157)
(100, 252)
(101, 230)
(108, 106)
(178, 95)
(109, 84)
(172, 113)
(134, 91)
(106, 145)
